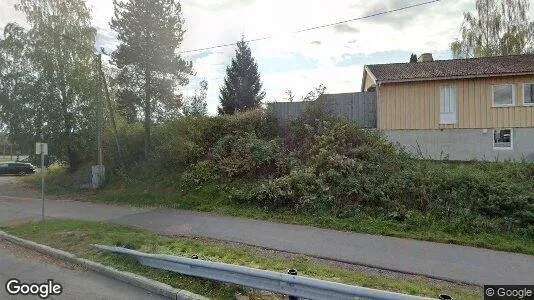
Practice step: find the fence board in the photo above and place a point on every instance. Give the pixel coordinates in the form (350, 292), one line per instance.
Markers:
(359, 107)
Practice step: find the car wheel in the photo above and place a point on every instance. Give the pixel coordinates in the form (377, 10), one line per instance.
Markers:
(22, 173)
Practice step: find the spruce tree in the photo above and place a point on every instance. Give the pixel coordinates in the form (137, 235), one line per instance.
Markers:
(242, 88)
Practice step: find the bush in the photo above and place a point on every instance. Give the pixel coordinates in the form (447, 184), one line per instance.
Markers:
(299, 188)
(245, 156)
(182, 142)
(333, 166)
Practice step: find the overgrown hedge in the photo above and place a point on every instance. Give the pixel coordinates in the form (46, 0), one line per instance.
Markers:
(332, 166)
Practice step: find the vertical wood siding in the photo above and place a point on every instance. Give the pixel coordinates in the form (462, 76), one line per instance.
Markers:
(415, 105)
(359, 107)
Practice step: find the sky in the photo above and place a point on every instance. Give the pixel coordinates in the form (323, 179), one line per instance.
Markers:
(333, 56)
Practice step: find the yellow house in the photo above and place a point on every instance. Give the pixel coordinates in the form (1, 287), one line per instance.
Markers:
(461, 109)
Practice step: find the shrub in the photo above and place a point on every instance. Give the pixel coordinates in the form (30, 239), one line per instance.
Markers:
(333, 166)
(179, 143)
(244, 157)
(299, 188)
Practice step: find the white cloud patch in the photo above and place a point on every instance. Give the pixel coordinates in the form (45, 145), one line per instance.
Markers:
(345, 28)
(218, 5)
(322, 54)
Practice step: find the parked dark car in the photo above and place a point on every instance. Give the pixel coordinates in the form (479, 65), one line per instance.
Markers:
(16, 168)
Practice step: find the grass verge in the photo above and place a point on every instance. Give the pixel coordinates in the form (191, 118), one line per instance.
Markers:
(76, 237)
(161, 191)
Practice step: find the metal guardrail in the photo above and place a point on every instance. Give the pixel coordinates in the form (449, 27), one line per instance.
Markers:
(287, 284)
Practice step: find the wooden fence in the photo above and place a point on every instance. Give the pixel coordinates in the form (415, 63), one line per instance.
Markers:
(359, 107)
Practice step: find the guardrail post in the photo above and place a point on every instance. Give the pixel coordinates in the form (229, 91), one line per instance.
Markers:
(292, 272)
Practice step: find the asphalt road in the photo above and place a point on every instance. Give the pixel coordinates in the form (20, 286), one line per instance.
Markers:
(31, 267)
(452, 262)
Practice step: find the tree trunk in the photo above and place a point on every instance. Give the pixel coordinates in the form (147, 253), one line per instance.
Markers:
(148, 114)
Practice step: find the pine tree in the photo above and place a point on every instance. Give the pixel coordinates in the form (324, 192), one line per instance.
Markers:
(413, 58)
(242, 88)
(150, 32)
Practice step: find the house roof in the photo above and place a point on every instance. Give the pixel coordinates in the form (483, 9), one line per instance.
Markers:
(454, 68)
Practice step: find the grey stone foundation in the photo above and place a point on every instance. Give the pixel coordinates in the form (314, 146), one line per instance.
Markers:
(463, 144)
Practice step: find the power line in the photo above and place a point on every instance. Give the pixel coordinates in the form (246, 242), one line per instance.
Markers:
(295, 32)
(371, 15)
(321, 26)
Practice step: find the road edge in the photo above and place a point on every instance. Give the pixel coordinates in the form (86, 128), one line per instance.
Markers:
(127, 277)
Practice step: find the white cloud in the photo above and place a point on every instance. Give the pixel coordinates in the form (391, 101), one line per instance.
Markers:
(213, 22)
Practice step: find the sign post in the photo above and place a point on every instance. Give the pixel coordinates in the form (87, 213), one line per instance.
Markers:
(42, 148)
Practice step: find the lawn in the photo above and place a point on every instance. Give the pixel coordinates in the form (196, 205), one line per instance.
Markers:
(76, 237)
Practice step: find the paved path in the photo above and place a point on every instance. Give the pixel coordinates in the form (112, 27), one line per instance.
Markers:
(458, 263)
(32, 267)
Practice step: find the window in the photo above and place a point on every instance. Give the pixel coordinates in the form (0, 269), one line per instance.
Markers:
(503, 95)
(503, 139)
(447, 105)
(528, 94)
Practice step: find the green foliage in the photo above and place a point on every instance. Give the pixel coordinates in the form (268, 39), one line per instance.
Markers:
(77, 237)
(245, 156)
(328, 172)
(150, 32)
(47, 86)
(242, 88)
(336, 167)
(499, 27)
(184, 141)
(197, 105)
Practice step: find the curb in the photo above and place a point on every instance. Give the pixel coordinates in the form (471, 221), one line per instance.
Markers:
(150, 285)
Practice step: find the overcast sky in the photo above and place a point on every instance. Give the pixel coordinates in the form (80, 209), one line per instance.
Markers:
(333, 56)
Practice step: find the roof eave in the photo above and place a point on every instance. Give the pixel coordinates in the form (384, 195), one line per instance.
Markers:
(367, 71)
(452, 77)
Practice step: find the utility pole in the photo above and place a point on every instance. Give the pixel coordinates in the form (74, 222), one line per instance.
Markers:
(98, 170)
(99, 118)
(110, 107)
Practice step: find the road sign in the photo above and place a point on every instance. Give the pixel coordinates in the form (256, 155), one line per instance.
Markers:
(41, 147)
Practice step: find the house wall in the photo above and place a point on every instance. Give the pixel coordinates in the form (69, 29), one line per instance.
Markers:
(463, 144)
(415, 105)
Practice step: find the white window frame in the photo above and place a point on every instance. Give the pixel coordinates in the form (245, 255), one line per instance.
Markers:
(511, 139)
(449, 122)
(524, 87)
(493, 95)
